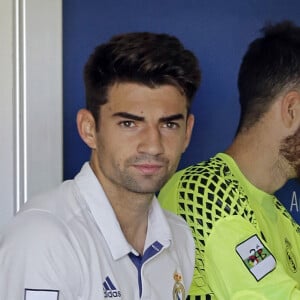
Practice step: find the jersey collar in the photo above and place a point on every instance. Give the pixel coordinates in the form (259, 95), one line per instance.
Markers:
(105, 218)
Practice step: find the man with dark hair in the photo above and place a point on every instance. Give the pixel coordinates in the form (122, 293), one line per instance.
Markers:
(247, 244)
(103, 235)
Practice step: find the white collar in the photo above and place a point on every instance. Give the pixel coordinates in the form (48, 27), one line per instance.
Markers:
(104, 216)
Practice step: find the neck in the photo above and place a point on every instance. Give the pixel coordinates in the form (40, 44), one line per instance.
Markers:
(258, 160)
(132, 214)
(131, 208)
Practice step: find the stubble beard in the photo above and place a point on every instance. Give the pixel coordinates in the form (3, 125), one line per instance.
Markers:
(290, 150)
(142, 184)
(146, 185)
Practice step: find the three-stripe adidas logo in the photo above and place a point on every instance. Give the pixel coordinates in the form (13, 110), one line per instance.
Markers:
(110, 291)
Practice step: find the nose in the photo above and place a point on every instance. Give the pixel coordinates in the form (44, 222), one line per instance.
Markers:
(151, 141)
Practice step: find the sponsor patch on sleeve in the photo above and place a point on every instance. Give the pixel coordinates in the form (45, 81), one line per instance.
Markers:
(32, 294)
(256, 257)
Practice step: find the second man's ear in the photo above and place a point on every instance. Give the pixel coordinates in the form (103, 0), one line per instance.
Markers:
(189, 130)
(291, 109)
(86, 127)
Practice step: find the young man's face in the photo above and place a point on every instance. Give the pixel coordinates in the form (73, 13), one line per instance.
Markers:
(141, 135)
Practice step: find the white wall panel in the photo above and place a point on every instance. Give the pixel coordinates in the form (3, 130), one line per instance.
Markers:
(43, 94)
(31, 100)
(6, 112)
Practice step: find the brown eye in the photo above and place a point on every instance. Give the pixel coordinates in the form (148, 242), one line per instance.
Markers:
(127, 123)
(171, 125)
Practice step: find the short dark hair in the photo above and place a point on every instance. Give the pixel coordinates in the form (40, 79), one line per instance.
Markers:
(142, 57)
(270, 66)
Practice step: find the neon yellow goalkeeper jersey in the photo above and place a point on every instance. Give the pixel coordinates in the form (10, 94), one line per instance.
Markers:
(247, 244)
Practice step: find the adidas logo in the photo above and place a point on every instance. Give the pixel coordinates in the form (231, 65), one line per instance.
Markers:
(110, 291)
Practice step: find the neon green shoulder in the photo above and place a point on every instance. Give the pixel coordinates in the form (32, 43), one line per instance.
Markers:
(168, 195)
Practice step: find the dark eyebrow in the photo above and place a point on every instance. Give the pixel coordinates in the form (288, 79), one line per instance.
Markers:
(172, 118)
(126, 115)
(138, 118)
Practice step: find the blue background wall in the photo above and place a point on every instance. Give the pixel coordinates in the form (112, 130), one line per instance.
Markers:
(217, 31)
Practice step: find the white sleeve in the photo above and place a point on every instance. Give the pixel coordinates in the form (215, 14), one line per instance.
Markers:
(38, 260)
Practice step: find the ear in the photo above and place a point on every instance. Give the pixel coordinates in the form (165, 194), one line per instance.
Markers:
(86, 127)
(290, 109)
(189, 129)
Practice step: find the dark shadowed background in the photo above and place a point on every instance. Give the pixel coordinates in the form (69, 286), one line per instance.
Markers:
(218, 32)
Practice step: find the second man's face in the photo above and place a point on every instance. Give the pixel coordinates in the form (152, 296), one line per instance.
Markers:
(141, 135)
